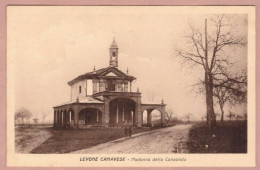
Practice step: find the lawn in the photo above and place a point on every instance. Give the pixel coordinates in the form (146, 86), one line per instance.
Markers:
(65, 141)
(28, 137)
(227, 137)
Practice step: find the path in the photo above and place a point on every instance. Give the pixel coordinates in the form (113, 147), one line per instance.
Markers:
(167, 140)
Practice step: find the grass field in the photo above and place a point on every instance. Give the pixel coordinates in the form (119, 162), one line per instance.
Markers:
(65, 141)
(227, 137)
(28, 137)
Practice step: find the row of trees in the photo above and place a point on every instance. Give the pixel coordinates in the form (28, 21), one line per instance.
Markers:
(24, 115)
(207, 51)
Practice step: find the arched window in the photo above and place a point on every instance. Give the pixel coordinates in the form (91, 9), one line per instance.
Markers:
(79, 89)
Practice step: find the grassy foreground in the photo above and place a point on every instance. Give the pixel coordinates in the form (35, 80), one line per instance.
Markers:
(65, 141)
(227, 137)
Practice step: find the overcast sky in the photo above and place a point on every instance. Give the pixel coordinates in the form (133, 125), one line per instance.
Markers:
(52, 45)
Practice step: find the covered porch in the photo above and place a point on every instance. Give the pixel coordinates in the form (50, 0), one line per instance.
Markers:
(79, 114)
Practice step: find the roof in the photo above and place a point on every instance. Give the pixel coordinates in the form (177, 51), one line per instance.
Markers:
(103, 73)
(88, 100)
(113, 45)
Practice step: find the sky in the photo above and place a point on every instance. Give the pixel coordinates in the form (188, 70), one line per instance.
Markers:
(52, 45)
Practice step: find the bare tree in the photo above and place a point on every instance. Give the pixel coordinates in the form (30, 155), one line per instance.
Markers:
(22, 114)
(187, 116)
(231, 115)
(222, 96)
(43, 117)
(168, 115)
(206, 50)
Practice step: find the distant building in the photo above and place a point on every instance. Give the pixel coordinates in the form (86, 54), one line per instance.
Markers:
(35, 120)
(104, 97)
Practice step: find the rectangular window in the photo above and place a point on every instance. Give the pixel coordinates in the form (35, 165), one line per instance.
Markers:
(79, 89)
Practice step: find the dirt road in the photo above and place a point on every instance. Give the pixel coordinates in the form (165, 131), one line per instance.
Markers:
(166, 140)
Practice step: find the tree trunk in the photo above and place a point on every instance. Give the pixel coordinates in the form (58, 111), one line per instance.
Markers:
(211, 118)
(222, 112)
(207, 98)
(211, 102)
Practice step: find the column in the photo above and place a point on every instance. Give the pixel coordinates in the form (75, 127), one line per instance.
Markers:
(130, 86)
(119, 86)
(138, 112)
(163, 117)
(69, 118)
(58, 119)
(54, 120)
(76, 116)
(105, 113)
(123, 114)
(97, 115)
(125, 86)
(117, 113)
(61, 118)
(149, 117)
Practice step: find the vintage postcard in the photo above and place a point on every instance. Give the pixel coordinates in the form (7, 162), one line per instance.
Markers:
(131, 86)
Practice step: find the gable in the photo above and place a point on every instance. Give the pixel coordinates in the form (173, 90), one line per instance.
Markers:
(111, 74)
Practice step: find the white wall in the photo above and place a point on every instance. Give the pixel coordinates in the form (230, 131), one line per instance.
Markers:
(89, 87)
(75, 90)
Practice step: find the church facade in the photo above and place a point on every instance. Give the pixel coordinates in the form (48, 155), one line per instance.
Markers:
(104, 98)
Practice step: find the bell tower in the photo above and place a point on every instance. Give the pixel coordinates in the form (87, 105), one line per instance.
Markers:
(113, 50)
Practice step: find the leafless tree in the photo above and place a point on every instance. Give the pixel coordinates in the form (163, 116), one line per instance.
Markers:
(222, 96)
(187, 116)
(202, 118)
(43, 117)
(231, 115)
(22, 114)
(207, 51)
(168, 115)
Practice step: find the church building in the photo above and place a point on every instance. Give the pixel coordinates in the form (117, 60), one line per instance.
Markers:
(104, 98)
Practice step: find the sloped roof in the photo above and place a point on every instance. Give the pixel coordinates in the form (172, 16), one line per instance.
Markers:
(88, 99)
(113, 45)
(101, 73)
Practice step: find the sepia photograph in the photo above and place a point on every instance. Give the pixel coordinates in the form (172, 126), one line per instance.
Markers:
(139, 85)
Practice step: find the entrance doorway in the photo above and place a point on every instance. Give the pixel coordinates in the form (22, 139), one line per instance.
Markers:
(90, 116)
(121, 110)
